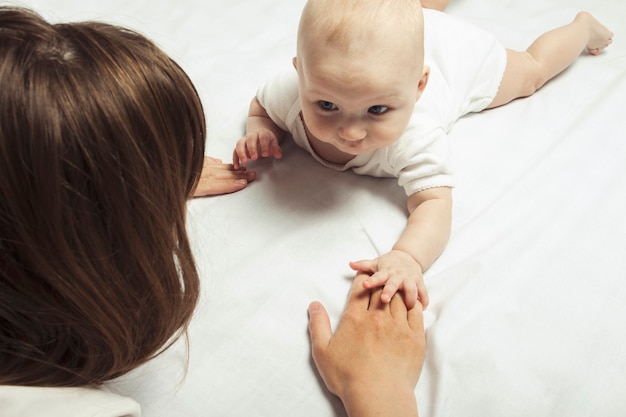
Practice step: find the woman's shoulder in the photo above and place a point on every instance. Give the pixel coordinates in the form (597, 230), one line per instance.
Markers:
(21, 401)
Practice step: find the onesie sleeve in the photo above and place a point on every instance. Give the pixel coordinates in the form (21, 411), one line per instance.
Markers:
(279, 97)
(422, 163)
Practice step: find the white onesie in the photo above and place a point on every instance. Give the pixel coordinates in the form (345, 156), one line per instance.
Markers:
(466, 67)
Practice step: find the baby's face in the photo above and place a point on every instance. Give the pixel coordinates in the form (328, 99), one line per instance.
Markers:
(358, 104)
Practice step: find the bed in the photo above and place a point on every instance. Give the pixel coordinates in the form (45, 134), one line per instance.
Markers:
(528, 301)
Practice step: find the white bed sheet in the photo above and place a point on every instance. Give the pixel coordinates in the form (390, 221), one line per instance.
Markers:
(528, 302)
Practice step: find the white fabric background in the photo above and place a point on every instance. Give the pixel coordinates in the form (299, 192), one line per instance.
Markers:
(528, 302)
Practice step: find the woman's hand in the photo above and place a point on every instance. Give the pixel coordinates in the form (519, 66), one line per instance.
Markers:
(219, 178)
(374, 359)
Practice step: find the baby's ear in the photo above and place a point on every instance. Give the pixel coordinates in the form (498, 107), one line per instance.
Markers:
(421, 85)
(294, 61)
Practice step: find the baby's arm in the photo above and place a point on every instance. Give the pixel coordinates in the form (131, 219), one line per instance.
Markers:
(425, 236)
(262, 137)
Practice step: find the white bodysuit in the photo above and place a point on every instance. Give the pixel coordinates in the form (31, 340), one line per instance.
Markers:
(466, 67)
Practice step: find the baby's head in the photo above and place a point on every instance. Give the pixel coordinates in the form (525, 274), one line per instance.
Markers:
(101, 143)
(361, 69)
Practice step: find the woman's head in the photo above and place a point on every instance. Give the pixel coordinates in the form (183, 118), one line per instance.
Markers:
(101, 144)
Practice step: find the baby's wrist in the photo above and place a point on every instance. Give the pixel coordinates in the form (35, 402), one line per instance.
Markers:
(412, 256)
(259, 123)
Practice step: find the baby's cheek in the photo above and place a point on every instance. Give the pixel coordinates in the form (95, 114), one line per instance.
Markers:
(387, 136)
(320, 127)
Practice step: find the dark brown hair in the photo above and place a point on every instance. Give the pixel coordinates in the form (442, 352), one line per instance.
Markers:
(101, 144)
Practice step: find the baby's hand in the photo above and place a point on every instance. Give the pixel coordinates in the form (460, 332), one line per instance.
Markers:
(396, 270)
(262, 142)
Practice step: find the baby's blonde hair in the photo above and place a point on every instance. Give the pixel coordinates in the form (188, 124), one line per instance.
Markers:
(350, 24)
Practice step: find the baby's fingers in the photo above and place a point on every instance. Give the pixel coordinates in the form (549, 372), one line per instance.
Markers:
(240, 157)
(377, 280)
(269, 146)
(370, 266)
(388, 292)
(276, 151)
(410, 295)
(266, 148)
(252, 149)
(422, 292)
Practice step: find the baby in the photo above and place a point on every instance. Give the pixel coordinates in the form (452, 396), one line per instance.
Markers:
(377, 86)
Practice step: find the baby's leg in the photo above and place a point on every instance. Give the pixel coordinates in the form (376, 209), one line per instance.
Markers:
(550, 54)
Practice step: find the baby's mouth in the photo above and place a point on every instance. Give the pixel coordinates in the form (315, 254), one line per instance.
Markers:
(353, 145)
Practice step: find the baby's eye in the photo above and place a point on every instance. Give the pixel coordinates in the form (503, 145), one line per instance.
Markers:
(326, 105)
(378, 109)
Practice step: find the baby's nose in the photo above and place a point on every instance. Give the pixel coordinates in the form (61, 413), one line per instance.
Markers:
(352, 131)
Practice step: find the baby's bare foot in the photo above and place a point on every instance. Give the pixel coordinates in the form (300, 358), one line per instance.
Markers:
(599, 36)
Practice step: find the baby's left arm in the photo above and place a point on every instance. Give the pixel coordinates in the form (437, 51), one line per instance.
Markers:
(425, 236)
